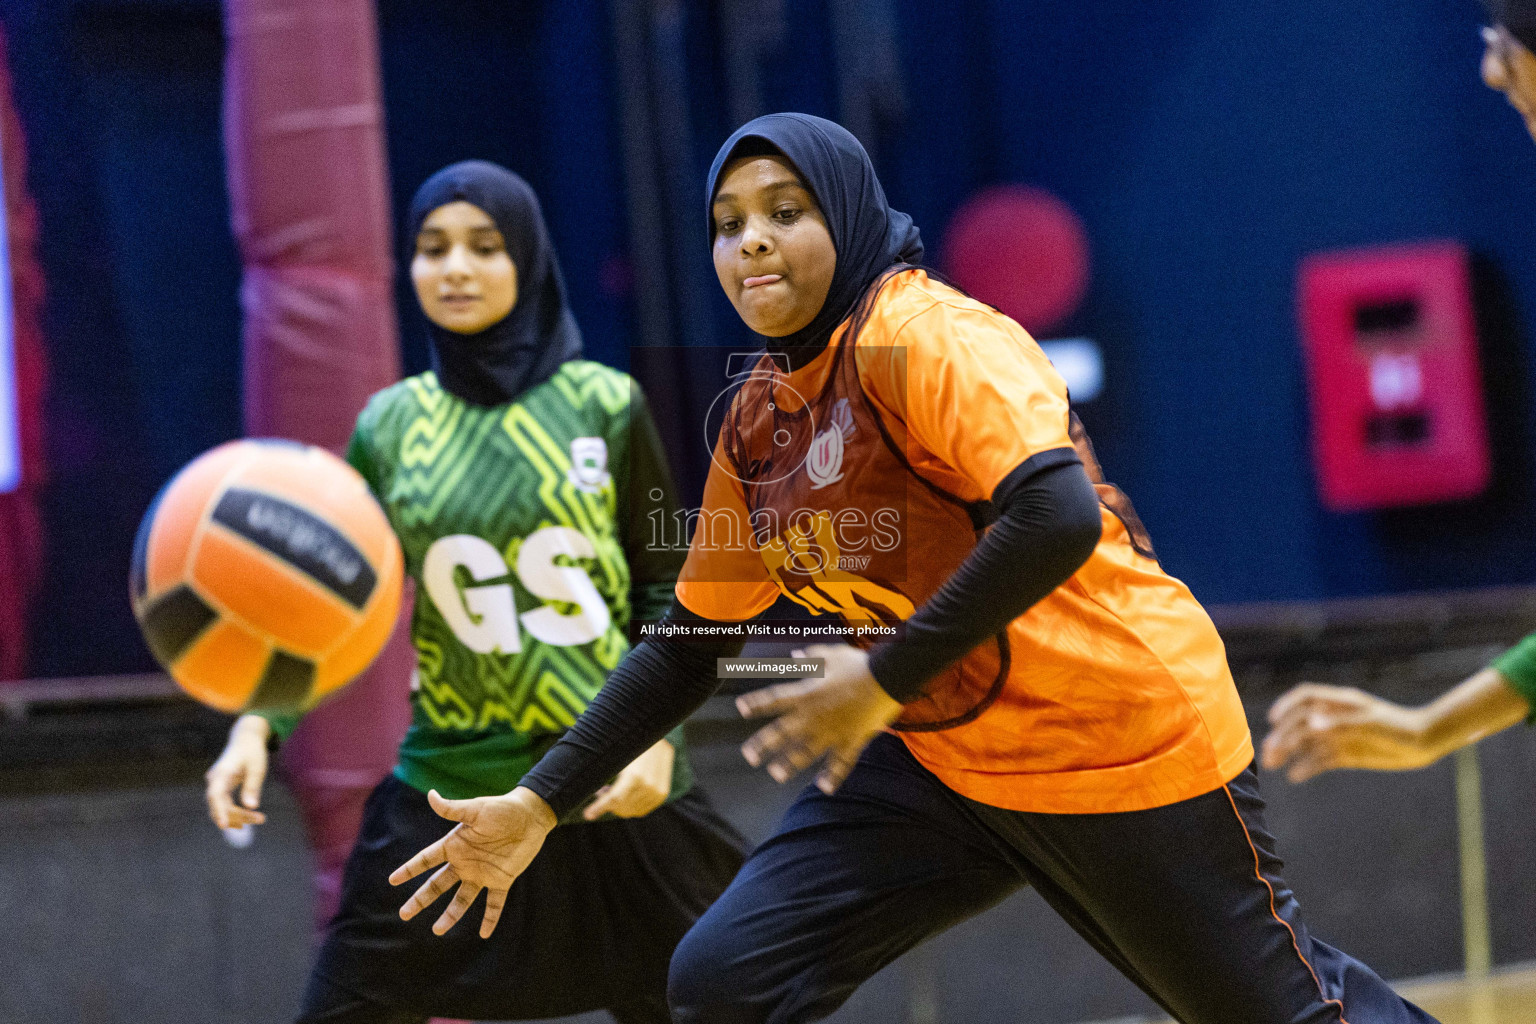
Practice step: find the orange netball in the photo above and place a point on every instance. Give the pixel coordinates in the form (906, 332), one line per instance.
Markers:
(265, 576)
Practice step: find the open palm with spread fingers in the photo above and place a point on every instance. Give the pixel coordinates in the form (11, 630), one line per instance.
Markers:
(496, 839)
(836, 715)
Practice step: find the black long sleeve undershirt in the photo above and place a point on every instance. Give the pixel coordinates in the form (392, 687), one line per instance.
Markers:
(1048, 525)
(1047, 528)
(660, 682)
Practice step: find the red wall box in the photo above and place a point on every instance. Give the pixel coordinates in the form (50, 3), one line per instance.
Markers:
(1391, 346)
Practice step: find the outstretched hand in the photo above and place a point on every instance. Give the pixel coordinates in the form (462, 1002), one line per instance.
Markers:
(496, 839)
(242, 766)
(1319, 728)
(836, 715)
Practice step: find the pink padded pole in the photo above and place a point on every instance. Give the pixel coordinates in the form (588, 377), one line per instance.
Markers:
(309, 202)
(21, 524)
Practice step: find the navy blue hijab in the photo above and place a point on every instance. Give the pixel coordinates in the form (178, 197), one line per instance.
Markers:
(525, 348)
(1518, 16)
(869, 236)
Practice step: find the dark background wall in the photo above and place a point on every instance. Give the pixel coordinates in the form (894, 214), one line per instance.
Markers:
(1208, 147)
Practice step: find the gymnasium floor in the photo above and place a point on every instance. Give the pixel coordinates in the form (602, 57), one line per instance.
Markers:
(1508, 997)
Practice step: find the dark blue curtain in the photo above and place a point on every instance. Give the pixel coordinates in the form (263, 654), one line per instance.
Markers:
(1208, 147)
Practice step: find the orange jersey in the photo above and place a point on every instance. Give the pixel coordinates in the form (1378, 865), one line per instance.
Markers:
(856, 485)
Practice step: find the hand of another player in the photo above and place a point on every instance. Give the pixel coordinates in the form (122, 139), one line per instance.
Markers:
(496, 839)
(836, 715)
(1321, 728)
(640, 788)
(243, 764)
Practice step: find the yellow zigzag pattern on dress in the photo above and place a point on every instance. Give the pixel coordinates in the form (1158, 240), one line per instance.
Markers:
(581, 381)
(433, 459)
(442, 704)
(563, 501)
(550, 694)
(570, 506)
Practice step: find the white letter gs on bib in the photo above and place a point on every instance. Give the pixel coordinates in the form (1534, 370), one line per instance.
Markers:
(485, 619)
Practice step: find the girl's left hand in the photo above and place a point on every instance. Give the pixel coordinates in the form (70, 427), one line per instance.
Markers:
(836, 715)
(1319, 728)
(639, 789)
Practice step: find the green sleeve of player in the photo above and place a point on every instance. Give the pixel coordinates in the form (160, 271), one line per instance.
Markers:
(282, 722)
(1518, 667)
(360, 456)
(360, 452)
(646, 497)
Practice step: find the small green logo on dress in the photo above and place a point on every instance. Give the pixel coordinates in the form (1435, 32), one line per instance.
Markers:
(589, 464)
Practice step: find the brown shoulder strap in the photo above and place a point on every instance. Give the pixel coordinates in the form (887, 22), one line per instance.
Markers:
(1110, 496)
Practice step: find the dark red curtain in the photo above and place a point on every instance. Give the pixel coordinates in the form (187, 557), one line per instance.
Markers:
(309, 201)
(21, 530)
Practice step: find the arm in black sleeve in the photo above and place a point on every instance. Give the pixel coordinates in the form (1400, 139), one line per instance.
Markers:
(658, 684)
(647, 510)
(1048, 526)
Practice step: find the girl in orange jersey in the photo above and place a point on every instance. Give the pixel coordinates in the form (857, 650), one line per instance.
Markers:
(1056, 712)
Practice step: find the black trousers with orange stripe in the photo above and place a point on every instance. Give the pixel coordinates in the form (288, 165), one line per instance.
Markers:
(1186, 900)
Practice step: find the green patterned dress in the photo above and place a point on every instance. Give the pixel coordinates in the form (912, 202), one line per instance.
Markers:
(528, 565)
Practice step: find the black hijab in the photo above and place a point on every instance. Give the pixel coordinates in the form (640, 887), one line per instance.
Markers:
(869, 236)
(525, 348)
(1518, 16)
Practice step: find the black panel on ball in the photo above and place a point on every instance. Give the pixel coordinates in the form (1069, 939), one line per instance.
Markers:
(300, 538)
(174, 621)
(284, 685)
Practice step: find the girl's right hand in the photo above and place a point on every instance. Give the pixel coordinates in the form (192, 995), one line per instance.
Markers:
(495, 840)
(244, 765)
